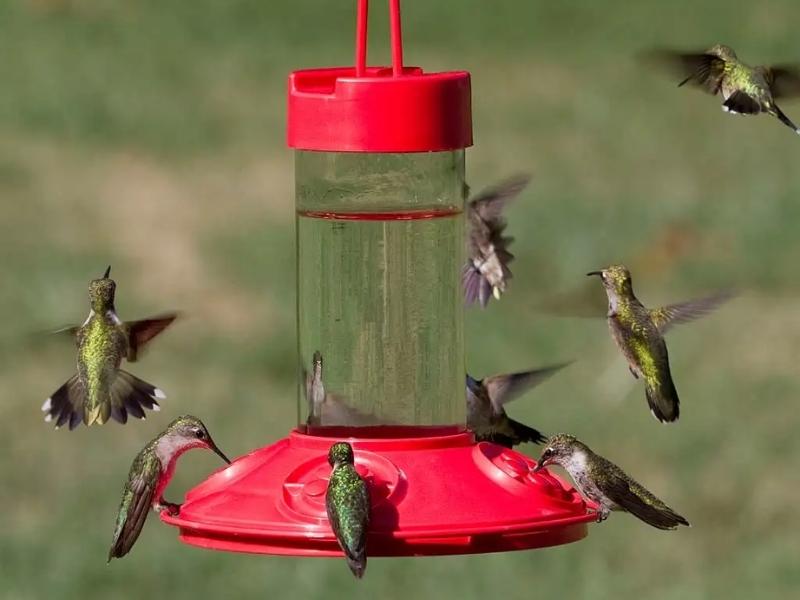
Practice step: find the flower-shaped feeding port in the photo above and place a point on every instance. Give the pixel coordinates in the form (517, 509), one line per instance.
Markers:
(379, 173)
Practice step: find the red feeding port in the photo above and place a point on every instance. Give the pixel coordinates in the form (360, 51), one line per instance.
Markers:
(379, 195)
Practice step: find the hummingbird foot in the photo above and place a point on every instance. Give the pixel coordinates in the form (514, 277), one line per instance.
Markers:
(602, 514)
(171, 508)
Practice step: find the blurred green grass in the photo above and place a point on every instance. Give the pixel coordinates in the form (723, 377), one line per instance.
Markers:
(150, 135)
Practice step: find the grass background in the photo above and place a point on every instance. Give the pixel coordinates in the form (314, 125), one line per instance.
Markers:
(150, 134)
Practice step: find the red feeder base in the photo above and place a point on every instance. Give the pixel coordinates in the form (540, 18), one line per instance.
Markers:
(430, 495)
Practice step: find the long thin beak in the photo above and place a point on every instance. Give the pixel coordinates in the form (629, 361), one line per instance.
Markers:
(213, 446)
(539, 466)
(107, 273)
(590, 273)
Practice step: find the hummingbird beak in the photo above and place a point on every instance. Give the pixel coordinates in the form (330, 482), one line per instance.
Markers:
(213, 447)
(107, 273)
(539, 465)
(590, 273)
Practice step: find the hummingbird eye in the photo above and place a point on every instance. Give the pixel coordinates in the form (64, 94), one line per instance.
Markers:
(200, 434)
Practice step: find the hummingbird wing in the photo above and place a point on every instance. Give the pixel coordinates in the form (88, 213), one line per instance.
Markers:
(141, 332)
(683, 312)
(137, 498)
(490, 202)
(505, 431)
(507, 387)
(348, 506)
(784, 80)
(702, 70)
(635, 499)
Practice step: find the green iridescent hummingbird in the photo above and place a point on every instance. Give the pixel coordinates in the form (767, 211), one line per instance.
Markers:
(486, 398)
(486, 271)
(604, 483)
(347, 504)
(100, 389)
(639, 334)
(149, 476)
(745, 90)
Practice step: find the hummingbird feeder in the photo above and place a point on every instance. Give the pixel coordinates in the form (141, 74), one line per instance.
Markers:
(379, 174)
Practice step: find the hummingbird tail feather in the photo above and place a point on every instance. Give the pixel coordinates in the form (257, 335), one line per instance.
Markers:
(357, 563)
(131, 395)
(65, 406)
(663, 399)
(476, 288)
(523, 433)
(740, 103)
(784, 119)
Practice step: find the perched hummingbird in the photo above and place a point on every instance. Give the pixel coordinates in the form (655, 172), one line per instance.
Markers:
(745, 90)
(325, 408)
(638, 332)
(347, 503)
(486, 272)
(100, 388)
(605, 483)
(487, 418)
(149, 476)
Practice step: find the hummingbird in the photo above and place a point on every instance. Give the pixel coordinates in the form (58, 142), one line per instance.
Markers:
(486, 271)
(606, 484)
(347, 504)
(639, 334)
(326, 408)
(100, 389)
(745, 90)
(149, 476)
(487, 418)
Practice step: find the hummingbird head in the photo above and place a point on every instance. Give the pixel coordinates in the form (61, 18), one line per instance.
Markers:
(616, 279)
(724, 52)
(561, 449)
(341, 453)
(101, 292)
(187, 432)
(316, 360)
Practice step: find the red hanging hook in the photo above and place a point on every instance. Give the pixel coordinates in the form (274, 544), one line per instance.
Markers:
(362, 18)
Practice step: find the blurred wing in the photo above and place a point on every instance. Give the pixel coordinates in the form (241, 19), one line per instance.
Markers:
(673, 314)
(699, 69)
(141, 332)
(489, 203)
(505, 388)
(137, 498)
(784, 80)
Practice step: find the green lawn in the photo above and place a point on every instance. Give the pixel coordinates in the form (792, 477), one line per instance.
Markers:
(149, 135)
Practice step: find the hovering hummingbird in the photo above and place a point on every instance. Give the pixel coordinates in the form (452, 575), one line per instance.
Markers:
(100, 388)
(745, 90)
(605, 483)
(347, 503)
(486, 271)
(325, 408)
(487, 418)
(149, 476)
(639, 334)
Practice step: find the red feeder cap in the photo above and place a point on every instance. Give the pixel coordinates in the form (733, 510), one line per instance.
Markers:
(333, 110)
(430, 495)
(379, 109)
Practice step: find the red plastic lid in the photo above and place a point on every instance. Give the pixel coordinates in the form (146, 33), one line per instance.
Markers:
(379, 109)
(430, 495)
